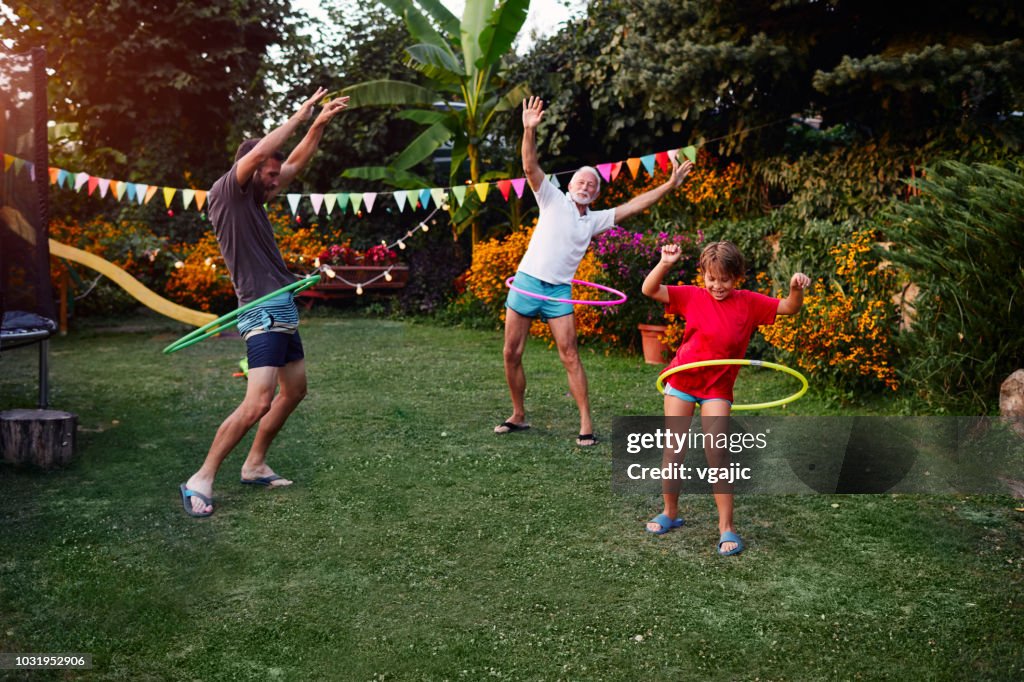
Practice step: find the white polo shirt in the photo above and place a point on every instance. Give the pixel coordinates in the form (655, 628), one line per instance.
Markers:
(562, 236)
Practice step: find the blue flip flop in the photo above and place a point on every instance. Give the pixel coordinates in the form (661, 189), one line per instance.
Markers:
(187, 503)
(729, 536)
(665, 523)
(262, 480)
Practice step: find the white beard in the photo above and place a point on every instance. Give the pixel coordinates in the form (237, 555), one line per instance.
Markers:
(582, 200)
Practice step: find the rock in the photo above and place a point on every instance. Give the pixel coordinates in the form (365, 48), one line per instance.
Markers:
(1011, 401)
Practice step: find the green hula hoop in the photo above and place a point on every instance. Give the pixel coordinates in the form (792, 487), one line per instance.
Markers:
(228, 321)
(753, 363)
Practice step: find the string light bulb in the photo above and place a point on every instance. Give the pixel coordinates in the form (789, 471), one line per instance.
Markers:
(329, 272)
(401, 245)
(359, 290)
(316, 262)
(387, 276)
(423, 226)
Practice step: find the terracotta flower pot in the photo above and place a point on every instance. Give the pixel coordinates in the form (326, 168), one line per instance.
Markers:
(655, 352)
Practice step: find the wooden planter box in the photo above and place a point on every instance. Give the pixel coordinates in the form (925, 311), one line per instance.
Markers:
(370, 277)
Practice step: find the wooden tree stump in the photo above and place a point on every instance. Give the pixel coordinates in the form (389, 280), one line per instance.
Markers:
(43, 438)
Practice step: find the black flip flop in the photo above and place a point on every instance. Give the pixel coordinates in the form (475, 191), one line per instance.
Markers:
(511, 428)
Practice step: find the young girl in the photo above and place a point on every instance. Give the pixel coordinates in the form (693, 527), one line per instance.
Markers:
(720, 320)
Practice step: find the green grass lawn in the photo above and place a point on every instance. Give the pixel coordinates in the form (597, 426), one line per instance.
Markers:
(418, 545)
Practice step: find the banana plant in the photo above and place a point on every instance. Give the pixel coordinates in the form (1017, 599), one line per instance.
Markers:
(461, 90)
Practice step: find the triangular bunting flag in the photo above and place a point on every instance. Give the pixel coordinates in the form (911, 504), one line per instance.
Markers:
(130, 190)
(150, 191)
(329, 201)
(18, 165)
(400, 200)
(505, 186)
(93, 183)
(425, 198)
(605, 169)
(104, 186)
(519, 184)
(357, 199)
(343, 201)
(317, 200)
(54, 173)
(119, 187)
(368, 200)
(31, 170)
(8, 160)
(690, 152)
(634, 166)
(616, 167)
(413, 196)
(481, 190)
(293, 201)
(62, 177)
(438, 194)
(80, 179)
(648, 162)
(554, 180)
(169, 193)
(459, 192)
(662, 159)
(186, 197)
(200, 199)
(140, 192)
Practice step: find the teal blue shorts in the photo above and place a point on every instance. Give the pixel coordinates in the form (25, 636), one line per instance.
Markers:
(676, 393)
(544, 308)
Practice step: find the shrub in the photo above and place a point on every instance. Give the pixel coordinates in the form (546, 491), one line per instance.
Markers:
(625, 259)
(962, 243)
(845, 334)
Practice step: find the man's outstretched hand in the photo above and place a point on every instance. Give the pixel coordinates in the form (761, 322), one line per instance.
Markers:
(533, 112)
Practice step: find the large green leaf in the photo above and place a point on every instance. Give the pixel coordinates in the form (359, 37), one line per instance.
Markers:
(388, 93)
(392, 176)
(421, 29)
(513, 98)
(474, 21)
(424, 116)
(436, 63)
(423, 146)
(502, 28)
(460, 152)
(367, 172)
(438, 12)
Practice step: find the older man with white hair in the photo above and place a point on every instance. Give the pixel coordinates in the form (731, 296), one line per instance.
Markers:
(563, 233)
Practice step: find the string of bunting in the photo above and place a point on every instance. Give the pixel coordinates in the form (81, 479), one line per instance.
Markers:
(143, 193)
(415, 198)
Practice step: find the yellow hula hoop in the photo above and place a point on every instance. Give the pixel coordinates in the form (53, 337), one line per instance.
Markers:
(228, 321)
(753, 363)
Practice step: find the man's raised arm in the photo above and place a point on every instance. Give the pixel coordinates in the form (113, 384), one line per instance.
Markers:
(533, 112)
(304, 151)
(642, 202)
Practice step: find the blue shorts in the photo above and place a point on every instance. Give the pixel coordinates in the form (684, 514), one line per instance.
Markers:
(676, 393)
(544, 308)
(273, 349)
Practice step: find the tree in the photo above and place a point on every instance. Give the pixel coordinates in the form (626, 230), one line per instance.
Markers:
(738, 70)
(156, 93)
(461, 89)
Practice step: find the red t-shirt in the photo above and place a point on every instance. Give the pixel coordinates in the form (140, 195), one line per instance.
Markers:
(715, 330)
